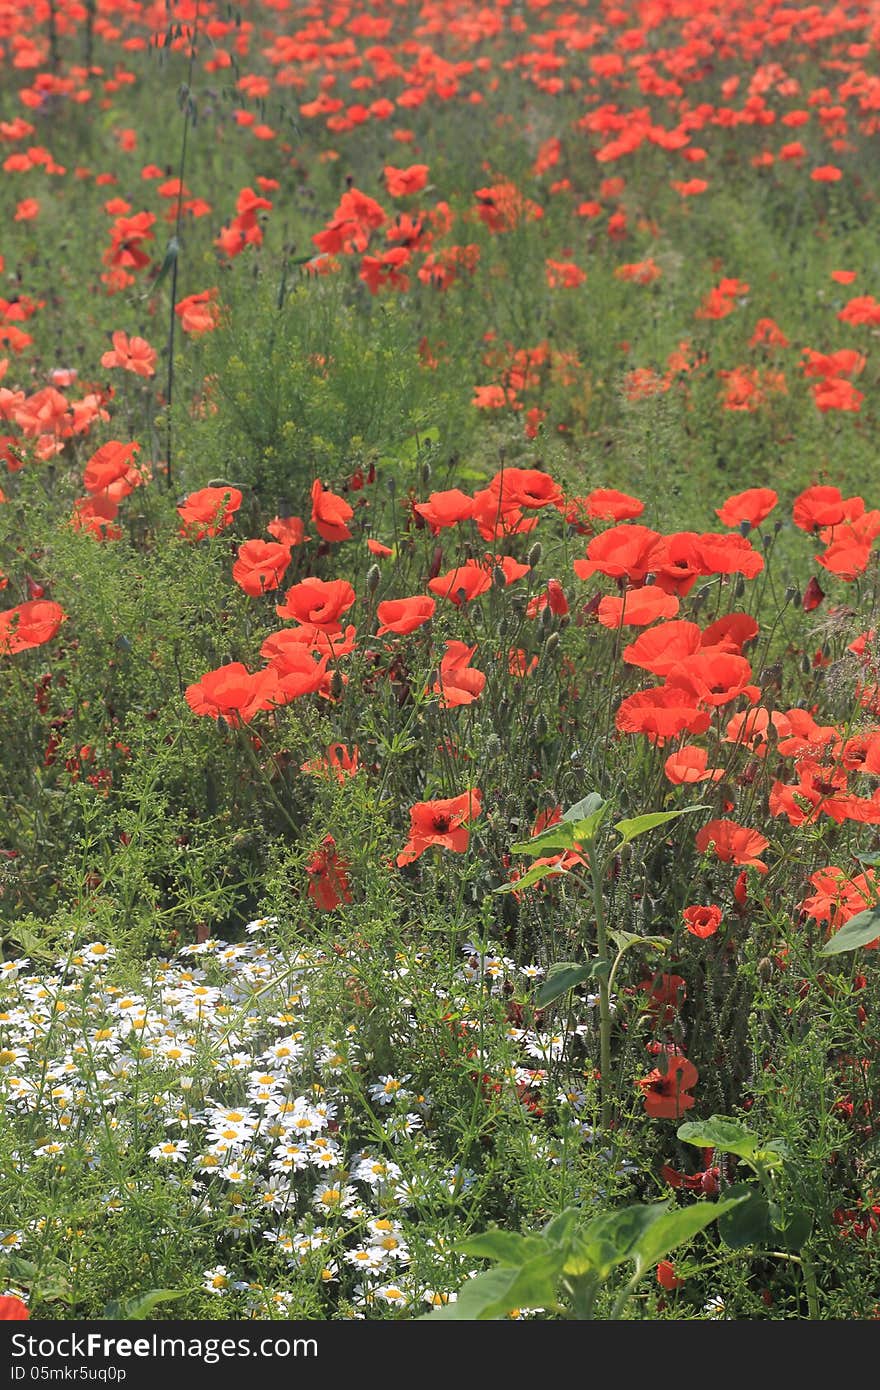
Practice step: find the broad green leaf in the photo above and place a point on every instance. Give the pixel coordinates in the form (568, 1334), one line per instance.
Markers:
(561, 1228)
(858, 931)
(791, 1229)
(561, 978)
(640, 825)
(625, 940)
(532, 875)
(584, 809)
(675, 1228)
(749, 1222)
(137, 1308)
(499, 1291)
(611, 1239)
(870, 860)
(557, 837)
(719, 1132)
(505, 1247)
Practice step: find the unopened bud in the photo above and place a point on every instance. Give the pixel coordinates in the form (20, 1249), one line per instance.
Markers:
(336, 685)
(545, 618)
(534, 556)
(391, 484)
(493, 746)
(542, 727)
(499, 578)
(766, 969)
(374, 575)
(551, 644)
(426, 473)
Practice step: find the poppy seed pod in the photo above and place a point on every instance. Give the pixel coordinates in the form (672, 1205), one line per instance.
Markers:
(374, 575)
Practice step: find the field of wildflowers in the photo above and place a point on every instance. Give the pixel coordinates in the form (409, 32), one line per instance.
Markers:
(439, 676)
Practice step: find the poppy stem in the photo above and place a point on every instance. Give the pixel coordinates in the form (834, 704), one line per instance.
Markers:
(604, 990)
(267, 781)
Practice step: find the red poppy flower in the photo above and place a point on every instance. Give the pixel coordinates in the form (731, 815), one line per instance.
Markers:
(819, 506)
(690, 764)
(731, 632)
(459, 683)
(441, 823)
(754, 506)
(289, 530)
(339, 763)
(602, 504)
(553, 597)
(402, 183)
(328, 877)
(702, 921)
(208, 511)
(667, 1277)
(29, 625)
(637, 607)
(199, 313)
(445, 509)
(320, 602)
(111, 471)
(714, 677)
(732, 843)
(330, 513)
(662, 647)
(233, 693)
(402, 615)
(462, 584)
(96, 515)
(260, 566)
(282, 649)
(12, 1309)
(666, 1092)
(629, 551)
(660, 714)
(132, 354)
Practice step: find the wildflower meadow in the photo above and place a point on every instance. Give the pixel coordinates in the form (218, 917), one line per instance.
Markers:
(439, 660)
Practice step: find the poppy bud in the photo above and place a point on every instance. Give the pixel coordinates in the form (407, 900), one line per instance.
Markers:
(745, 527)
(374, 575)
(551, 644)
(493, 746)
(739, 587)
(534, 556)
(499, 578)
(391, 484)
(545, 618)
(426, 473)
(519, 601)
(542, 728)
(336, 686)
(222, 724)
(765, 970)
(792, 596)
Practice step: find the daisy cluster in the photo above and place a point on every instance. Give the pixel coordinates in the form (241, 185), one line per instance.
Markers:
(214, 1071)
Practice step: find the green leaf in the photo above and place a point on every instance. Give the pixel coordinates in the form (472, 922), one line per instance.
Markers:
(562, 977)
(612, 1238)
(505, 1247)
(675, 1228)
(136, 1309)
(625, 940)
(640, 825)
(532, 875)
(172, 250)
(557, 837)
(584, 809)
(792, 1229)
(719, 1132)
(858, 931)
(499, 1291)
(749, 1222)
(560, 1229)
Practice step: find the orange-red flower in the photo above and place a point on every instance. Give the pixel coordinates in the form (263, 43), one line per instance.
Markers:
(208, 511)
(402, 615)
(702, 921)
(111, 472)
(330, 513)
(260, 566)
(459, 683)
(462, 584)
(630, 551)
(29, 625)
(199, 313)
(752, 506)
(132, 354)
(339, 763)
(233, 693)
(445, 509)
(328, 877)
(637, 607)
(666, 1090)
(12, 1309)
(441, 823)
(732, 843)
(661, 713)
(402, 183)
(320, 602)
